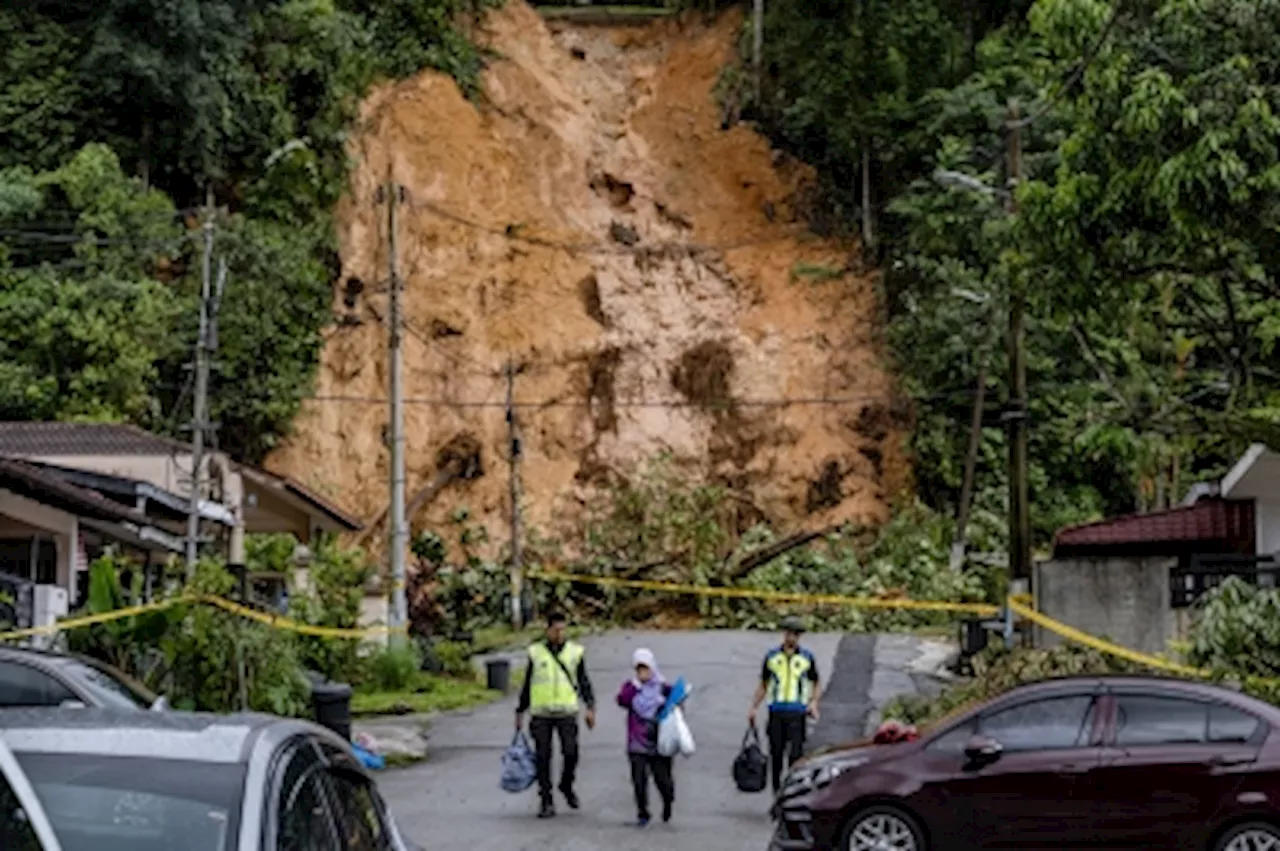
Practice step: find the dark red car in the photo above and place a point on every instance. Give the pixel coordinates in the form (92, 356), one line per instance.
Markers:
(1084, 762)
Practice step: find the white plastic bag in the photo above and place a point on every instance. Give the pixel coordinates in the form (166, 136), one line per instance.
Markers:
(674, 736)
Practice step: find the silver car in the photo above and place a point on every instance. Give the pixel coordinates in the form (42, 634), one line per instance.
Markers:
(110, 780)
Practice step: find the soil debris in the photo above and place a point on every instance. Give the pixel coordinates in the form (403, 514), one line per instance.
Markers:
(523, 232)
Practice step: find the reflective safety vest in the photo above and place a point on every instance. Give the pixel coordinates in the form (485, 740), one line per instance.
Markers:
(790, 686)
(551, 690)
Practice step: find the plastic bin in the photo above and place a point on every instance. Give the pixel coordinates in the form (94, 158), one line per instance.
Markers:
(332, 703)
(498, 674)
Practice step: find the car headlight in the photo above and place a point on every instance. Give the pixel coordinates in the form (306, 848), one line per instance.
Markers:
(805, 779)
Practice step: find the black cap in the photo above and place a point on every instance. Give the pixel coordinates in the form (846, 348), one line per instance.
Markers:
(792, 623)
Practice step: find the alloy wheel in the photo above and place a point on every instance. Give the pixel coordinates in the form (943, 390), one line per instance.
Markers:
(882, 831)
(1254, 839)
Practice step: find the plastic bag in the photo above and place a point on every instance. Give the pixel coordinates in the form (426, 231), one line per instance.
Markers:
(674, 736)
(519, 770)
(751, 767)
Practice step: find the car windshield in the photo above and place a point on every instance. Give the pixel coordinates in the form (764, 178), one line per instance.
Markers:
(112, 687)
(97, 803)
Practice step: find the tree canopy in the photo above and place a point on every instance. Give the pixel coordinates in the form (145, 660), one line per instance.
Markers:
(118, 119)
(1145, 237)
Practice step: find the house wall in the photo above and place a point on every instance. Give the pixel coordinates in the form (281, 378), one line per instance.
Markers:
(1267, 520)
(1125, 600)
(62, 527)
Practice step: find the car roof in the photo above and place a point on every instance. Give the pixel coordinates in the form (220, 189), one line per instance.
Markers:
(190, 736)
(1193, 688)
(49, 657)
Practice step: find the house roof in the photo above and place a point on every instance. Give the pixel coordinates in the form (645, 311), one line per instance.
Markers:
(47, 439)
(1225, 523)
(293, 491)
(33, 483)
(1255, 476)
(165, 503)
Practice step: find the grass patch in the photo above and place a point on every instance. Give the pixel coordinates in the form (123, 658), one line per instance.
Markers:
(427, 693)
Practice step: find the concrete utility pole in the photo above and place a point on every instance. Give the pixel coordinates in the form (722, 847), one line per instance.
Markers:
(1016, 415)
(399, 526)
(513, 437)
(200, 412)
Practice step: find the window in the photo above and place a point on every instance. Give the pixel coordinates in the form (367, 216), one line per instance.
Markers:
(21, 685)
(954, 740)
(108, 803)
(1155, 720)
(16, 832)
(1228, 725)
(359, 814)
(304, 819)
(1058, 722)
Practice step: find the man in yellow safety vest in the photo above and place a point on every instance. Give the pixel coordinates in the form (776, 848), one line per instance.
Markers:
(555, 683)
(789, 679)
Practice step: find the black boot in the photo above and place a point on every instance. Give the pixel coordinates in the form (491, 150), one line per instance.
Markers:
(548, 810)
(666, 812)
(570, 798)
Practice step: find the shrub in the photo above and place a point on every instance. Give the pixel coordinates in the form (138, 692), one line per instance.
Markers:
(394, 668)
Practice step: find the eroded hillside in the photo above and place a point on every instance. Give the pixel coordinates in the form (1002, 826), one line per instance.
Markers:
(593, 220)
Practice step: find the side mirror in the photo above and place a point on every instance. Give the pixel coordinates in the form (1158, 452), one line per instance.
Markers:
(983, 750)
(161, 704)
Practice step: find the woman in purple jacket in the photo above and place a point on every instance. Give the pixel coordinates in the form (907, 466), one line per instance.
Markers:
(642, 697)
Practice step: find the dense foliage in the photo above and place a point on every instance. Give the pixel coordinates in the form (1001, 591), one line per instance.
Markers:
(1144, 240)
(205, 658)
(662, 525)
(118, 120)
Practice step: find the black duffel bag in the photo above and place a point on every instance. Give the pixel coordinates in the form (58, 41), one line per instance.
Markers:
(751, 767)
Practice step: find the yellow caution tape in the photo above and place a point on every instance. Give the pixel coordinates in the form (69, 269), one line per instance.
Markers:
(271, 620)
(865, 602)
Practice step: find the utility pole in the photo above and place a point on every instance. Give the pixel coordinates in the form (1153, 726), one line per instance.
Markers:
(1016, 415)
(513, 439)
(200, 412)
(757, 43)
(399, 526)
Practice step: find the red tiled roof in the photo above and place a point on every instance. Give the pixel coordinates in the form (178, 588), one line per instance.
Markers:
(1219, 520)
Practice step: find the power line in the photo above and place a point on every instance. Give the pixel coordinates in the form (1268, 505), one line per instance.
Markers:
(725, 404)
(515, 233)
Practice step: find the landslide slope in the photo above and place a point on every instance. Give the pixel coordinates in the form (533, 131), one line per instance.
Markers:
(646, 267)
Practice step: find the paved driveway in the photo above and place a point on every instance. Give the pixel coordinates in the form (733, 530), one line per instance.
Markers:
(453, 800)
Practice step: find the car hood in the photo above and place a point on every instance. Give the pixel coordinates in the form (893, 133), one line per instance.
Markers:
(860, 751)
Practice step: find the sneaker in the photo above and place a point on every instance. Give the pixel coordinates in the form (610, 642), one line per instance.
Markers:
(642, 822)
(548, 810)
(570, 798)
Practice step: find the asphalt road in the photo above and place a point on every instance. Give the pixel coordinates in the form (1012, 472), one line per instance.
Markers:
(453, 801)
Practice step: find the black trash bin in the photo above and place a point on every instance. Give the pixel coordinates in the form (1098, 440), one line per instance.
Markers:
(332, 703)
(498, 674)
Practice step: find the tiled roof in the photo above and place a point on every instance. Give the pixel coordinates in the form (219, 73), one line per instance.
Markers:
(45, 439)
(46, 488)
(1225, 521)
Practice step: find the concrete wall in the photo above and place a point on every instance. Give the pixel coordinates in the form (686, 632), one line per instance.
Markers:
(1125, 600)
(1267, 519)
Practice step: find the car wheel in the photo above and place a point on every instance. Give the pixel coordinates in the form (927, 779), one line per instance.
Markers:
(884, 828)
(1254, 836)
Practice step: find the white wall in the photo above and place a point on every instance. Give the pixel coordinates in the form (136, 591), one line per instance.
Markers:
(1267, 520)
